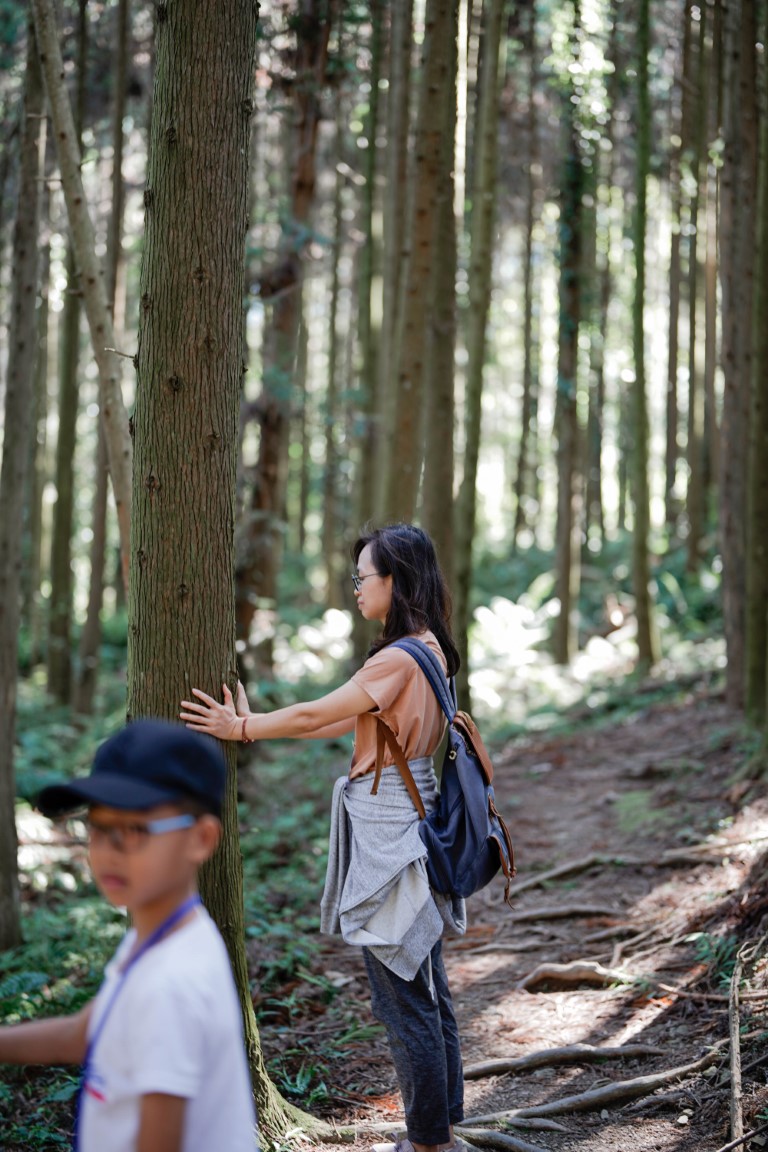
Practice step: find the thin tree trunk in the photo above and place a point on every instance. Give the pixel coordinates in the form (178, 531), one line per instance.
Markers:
(18, 415)
(260, 548)
(369, 318)
(90, 638)
(737, 245)
(31, 574)
(672, 449)
(569, 481)
(480, 278)
(646, 646)
(695, 497)
(395, 254)
(94, 292)
(437, 492)
(757, 526)
(331, 524)
(524, 487)
(406, 446)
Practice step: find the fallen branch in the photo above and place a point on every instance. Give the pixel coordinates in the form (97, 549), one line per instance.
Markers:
(577, 972)
(607, 1094)
(553, 1057)
(737, 1116)
(743, 1139)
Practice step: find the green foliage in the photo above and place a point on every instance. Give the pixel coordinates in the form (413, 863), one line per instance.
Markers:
(718, 953)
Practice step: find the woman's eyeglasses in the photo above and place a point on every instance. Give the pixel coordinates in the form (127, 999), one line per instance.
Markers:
(358, 580)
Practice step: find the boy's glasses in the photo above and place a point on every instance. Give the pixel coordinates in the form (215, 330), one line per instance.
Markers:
(358, 580)
(133, 837)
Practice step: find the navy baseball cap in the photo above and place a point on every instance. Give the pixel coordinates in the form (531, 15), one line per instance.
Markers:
(148, 762)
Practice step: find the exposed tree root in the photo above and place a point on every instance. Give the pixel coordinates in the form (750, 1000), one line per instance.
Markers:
(577, 972)
(694, 854)
(607, 1094)
(481, 1138)
(553, 1057)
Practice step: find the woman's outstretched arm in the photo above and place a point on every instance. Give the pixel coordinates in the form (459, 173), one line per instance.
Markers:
(331, 715)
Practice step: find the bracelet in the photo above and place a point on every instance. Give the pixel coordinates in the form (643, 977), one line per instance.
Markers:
(243, 738)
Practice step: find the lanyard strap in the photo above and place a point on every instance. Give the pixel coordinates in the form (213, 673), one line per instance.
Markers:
(154, 938)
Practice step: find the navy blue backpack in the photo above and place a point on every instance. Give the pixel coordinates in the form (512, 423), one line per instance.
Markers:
(467, 840)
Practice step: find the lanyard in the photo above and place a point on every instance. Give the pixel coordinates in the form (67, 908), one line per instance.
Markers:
(154, 938)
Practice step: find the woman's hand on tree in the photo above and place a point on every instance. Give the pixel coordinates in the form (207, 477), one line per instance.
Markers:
(221, 720)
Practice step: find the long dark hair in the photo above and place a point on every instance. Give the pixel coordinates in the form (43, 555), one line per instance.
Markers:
(420, 597)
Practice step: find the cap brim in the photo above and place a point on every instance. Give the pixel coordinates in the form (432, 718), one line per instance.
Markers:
(112, 791)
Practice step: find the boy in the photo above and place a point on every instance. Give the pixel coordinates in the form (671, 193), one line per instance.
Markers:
(164, 1067)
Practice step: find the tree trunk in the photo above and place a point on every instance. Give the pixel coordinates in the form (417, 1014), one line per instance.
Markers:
(525, 468)
(695, 497)
(569, 480)
(394, 253)
(737, 246)
(331, 533)
(437, 492)
(672, 450)
(260, 546)
(189, 377)
(369, 317)
(19, 396)
(90, 638)
(94, 293)
(757, 525)
(406, 446)
(31, 571)
(646, 646)
(480, 275)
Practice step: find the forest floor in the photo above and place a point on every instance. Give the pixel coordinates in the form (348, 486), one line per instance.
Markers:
(641, 858)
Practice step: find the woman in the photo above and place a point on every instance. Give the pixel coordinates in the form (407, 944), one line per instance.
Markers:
(376, 892)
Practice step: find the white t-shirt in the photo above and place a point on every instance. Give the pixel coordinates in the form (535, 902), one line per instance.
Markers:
(174, 1027)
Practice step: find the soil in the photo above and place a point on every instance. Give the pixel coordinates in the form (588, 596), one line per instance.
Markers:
(666, 884)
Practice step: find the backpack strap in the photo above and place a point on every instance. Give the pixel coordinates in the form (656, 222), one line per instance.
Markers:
(444, 690)
(385, 733)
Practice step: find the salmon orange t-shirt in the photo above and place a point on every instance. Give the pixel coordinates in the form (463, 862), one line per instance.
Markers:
(404, 699)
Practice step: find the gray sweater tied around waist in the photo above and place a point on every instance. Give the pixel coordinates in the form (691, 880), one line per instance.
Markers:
(376, 890)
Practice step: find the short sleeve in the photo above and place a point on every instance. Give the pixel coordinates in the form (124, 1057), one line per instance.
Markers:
(385, 674)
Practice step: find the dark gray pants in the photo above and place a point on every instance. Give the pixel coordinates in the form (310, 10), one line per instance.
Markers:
(424, 1041)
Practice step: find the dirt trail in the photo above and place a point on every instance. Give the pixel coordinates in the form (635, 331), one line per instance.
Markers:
(639, 798)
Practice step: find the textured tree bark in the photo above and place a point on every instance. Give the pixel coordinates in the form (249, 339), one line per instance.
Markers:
(437, 489)
(394, 254)
(260, 545)
(190, 370)
(90, 637)
(94, 293)
(695, 499)
(757, 526)
(737, 245)
(480, 277)
(569, 467)
(369, 314)
(525, 487)
(19, 398)
(60, 608)
(406, 448)
(646, 640)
